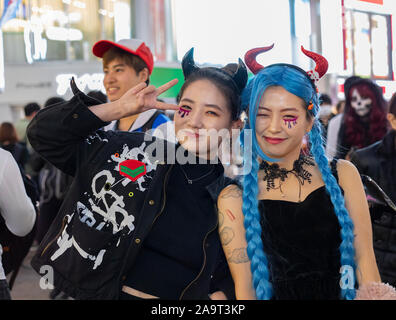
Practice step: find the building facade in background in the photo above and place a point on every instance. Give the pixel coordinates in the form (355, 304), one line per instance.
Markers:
(46, 42)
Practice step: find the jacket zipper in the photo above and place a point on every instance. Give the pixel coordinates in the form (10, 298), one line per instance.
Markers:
(162, 209)
(57, 236)
(204, 263)
(163, 203)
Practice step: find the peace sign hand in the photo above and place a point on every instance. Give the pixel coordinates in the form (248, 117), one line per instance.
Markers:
(142, 97)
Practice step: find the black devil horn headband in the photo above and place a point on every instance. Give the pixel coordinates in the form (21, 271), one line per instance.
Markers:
(319, 71)
(239, 77)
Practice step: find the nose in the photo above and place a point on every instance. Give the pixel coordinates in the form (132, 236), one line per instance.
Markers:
(108, 77)
(195, 119)
(275, 125)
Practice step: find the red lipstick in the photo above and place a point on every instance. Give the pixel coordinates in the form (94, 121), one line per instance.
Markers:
(274, 140)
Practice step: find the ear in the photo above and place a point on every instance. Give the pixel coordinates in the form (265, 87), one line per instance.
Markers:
(392, 120)
(143, 75)
(310, 124)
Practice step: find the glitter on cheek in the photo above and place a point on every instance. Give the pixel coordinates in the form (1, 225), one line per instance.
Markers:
(289, 122)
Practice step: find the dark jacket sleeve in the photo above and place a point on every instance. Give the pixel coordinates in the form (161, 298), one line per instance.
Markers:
(66, 134)
(358, 161)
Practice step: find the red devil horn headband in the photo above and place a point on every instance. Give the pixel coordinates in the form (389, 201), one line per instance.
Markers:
(315, 75)
(321, 65)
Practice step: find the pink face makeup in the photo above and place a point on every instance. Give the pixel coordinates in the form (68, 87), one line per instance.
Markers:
(289, 122)
(183, 112)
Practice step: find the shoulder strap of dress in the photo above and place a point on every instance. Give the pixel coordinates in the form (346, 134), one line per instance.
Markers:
(333, 166)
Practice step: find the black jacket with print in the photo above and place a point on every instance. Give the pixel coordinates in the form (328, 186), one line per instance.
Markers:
(101, 225)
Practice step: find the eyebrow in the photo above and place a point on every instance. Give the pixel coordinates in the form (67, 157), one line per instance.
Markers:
(206, 104)
(285, 109)
(117, 65)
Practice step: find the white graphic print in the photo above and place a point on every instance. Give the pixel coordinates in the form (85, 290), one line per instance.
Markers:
(94, 136)
(108, 214)
(118, 205)
(65, 241)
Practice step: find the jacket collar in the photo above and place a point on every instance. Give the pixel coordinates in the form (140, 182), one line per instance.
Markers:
(140, 121)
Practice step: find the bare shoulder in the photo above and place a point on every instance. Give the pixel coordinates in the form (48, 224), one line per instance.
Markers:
(230, 201)
(348, 174)
(231, 192)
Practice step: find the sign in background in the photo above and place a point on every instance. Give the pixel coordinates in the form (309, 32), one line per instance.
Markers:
(374, 1)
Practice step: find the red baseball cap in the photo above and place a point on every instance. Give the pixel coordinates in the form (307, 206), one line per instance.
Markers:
(134, 46)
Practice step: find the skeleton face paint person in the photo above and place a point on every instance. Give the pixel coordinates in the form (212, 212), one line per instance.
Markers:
(364, 120)
(361, 105)
(291, 222)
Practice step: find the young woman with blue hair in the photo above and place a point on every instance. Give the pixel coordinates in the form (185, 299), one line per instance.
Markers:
(301, 227)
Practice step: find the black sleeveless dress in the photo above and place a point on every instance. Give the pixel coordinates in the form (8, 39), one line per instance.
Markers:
(301, 241)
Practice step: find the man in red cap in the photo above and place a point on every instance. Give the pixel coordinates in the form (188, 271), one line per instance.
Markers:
(127, 63)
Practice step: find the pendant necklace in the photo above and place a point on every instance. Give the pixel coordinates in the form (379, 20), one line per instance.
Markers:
(190, 181)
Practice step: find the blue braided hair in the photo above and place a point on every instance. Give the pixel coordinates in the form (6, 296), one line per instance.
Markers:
(298, 84)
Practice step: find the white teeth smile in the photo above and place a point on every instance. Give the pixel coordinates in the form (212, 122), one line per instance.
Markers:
(110, 90)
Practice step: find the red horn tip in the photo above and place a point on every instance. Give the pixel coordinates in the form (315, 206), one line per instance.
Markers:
(250, 58)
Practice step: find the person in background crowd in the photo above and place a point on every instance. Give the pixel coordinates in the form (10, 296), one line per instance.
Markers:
(378, 161)
(52, 101)
(98, 95)
(127, 63)
(340, 107)
(9, 142)
(332, 130)
(364, 119)
(30, 110)
(53, 186)
(325, 111)
(16, 208)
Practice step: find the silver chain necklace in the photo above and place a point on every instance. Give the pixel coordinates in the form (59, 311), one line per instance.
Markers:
(190, 181)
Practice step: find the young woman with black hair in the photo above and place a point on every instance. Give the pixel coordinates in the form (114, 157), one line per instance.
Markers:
(135, 225)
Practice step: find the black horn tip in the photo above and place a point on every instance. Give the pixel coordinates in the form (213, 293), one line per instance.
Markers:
(241, 75)
(188, 63)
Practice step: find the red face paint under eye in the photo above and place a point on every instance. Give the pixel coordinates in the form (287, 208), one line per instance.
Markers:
(290, 121)
(183, 112)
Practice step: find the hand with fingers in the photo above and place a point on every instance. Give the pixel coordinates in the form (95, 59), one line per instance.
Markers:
(142, 98)
(136, 100)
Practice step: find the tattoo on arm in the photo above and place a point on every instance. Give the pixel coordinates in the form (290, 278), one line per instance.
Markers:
(226, 235)
(232, 192)
(238, 256)
(221, 219)
(230, 215)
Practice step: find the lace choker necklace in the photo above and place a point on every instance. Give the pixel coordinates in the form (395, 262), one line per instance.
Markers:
(273, 171)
